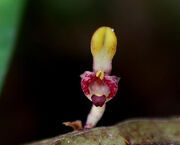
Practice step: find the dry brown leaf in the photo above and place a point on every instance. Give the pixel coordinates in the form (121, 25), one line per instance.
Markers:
(76, 125)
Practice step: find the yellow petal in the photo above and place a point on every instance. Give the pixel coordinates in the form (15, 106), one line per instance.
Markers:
(104, 42)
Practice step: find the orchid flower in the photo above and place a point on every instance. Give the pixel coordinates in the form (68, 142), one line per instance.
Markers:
(99, 86)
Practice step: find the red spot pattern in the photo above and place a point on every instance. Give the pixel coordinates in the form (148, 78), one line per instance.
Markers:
(112, 83)
(89, 77)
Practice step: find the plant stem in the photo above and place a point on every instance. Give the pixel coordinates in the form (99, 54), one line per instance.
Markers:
(94, 116)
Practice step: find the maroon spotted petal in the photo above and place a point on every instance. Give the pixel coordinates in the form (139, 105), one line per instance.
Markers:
(112, 82)
(89, 77)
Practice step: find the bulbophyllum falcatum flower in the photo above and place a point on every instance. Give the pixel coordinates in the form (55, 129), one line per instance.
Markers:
(99, 86)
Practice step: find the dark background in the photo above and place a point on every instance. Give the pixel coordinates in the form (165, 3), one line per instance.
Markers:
(42, 88)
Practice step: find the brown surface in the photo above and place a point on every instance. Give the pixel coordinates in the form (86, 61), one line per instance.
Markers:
(133, 132)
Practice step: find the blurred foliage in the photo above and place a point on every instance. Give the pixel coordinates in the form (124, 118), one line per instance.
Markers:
(10, 15)
(70, 12)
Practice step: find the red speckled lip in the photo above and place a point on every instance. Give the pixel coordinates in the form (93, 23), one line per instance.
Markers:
(98, 101)
(110, 81)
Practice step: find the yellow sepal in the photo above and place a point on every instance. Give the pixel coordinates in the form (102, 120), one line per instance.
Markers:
(104, 42)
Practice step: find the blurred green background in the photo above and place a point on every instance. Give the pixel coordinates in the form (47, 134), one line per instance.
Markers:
(44, 47)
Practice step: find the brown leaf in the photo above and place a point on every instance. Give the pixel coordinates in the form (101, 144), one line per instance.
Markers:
(76, 125)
